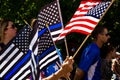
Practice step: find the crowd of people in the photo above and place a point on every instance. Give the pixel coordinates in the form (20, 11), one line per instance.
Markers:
(97, 62)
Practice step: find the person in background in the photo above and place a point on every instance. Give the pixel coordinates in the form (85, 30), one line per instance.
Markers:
(116, 67)
(108, 53)
(7, 32)
(89, 65)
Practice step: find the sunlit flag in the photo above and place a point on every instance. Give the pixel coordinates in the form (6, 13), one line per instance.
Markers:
(86, 17)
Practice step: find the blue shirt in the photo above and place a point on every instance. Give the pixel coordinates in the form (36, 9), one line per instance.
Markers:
(90, 62)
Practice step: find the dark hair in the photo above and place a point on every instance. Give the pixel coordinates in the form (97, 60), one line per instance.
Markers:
(3, 25)
(97, 30)
(105, 50)
(5, 22)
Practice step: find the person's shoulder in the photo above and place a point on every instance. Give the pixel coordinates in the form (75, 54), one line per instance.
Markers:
(1, 44)
(93, 46)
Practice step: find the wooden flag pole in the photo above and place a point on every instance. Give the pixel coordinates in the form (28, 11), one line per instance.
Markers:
(94, 28)
(107, 10)
(66, 47)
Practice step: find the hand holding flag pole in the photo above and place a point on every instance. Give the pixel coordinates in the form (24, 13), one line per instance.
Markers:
(55, 46)
(93, 29)
(68, 78)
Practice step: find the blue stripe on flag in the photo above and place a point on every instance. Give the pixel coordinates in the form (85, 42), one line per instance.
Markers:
(42, 32)
(55, 26)
(46, 52)
(26, 57)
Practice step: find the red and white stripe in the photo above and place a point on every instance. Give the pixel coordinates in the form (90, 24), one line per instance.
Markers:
(79, 22)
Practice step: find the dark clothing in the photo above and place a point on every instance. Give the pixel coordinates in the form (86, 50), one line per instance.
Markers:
(106, 72)
(2, 45)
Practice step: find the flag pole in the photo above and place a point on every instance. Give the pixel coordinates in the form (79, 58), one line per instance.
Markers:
(55, 46)
(51, 37)
(63, 27)
(81, 45)
(91, 32)
(66, 47)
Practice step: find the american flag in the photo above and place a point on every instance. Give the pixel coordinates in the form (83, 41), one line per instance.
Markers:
(41, 46)
(15, 59)
(47, 50)
(86, 17)
(51, 15)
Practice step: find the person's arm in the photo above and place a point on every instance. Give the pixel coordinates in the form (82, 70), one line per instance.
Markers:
(79, 74)
(116, 67)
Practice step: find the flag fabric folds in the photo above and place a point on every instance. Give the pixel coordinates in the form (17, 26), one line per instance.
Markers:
(15, 59)
(47, 53)
(50, 26)
(43, 50)
(86, 17)
(33, 49)
(51, 15)
(47, 50)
